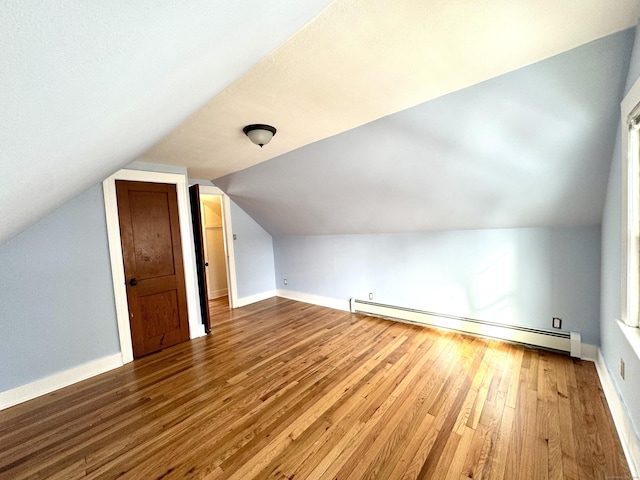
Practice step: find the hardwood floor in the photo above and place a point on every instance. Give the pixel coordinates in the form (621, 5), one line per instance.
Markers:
(287, 390)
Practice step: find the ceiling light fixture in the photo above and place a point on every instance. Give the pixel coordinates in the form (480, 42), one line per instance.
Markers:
(259, 134)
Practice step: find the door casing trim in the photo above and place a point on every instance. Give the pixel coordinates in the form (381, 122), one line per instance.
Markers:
(196, 329)
(232, 286)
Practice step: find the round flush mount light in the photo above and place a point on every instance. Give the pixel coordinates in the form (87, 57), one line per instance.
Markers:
(259, 134)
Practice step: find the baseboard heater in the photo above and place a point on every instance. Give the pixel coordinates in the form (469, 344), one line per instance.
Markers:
(562, 341)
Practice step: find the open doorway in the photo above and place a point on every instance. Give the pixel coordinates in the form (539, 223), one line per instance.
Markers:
(217, 242)
(214, 249)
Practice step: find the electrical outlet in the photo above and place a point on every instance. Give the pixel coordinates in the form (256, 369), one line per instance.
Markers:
(370, 295)
(622, 368)
(285, 281)
(557, 322)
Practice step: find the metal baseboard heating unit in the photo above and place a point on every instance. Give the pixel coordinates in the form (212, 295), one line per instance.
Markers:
(562, 341)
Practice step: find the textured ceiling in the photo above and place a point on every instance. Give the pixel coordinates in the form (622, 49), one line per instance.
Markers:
(87, 87)
(528, 148)
(360, 60)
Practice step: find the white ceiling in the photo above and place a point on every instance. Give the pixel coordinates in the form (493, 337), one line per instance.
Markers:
(360, 60)
(530, 148)
(87, 87)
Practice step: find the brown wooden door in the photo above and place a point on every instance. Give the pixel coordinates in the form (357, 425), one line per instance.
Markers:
(153, 268)
(201, 264)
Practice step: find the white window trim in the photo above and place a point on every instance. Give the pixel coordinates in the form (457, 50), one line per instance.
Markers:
(630, 208)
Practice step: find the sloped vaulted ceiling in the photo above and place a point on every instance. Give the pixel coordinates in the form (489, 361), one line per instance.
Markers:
(87, 86)
(490, 114)
(529, 148)
(360, 60)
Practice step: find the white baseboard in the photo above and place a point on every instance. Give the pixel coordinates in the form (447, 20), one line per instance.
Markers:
(315, 299)
(621, 419)
(258, 297)
(20, 394)
(589, 352)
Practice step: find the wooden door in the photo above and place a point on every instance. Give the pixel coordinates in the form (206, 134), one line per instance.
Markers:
(201, 264)
(153, 268)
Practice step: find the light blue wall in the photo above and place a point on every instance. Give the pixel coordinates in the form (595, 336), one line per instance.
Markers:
(528, 148)
(614, 344)
(516, 276)
(57, 308)
(253, 250)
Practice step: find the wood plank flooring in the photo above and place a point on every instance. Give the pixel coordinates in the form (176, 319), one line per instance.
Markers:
(286, 390)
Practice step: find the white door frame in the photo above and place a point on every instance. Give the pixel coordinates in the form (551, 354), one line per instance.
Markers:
(227, 233)
(196, 328)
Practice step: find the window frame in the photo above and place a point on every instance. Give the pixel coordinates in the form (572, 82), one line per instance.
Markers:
(630, 126)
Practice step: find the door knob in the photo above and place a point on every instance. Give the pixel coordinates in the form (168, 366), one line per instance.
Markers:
(133, 282)
(206, 264)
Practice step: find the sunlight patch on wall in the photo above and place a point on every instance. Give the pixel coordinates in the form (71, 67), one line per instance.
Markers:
(493, 288)
(450, 298)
